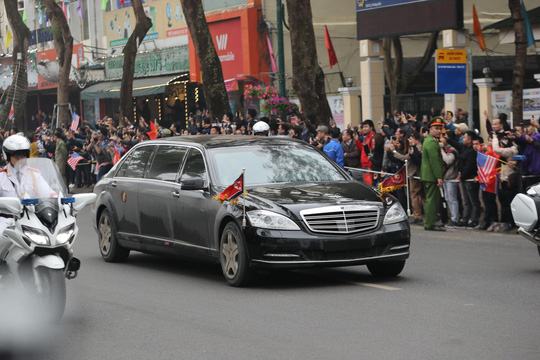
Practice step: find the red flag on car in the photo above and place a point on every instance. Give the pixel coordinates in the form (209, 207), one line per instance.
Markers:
(394, 182)
(152, 134)
(331, 53)
(232, 192)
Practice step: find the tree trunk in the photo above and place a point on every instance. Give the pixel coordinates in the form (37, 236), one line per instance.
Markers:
(518, 77)
(215, 93)
(16, 93)
(143, 24)
(397, 81)
(63, 41)
(308, 77)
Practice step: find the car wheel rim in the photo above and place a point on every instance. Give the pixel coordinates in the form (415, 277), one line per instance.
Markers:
(105, 235)
(229, 255)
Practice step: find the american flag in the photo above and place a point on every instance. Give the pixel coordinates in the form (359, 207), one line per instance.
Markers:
(488, 171)
(75, 122)
(73, 160)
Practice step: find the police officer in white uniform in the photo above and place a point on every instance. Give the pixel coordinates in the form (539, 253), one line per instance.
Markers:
(19, 180)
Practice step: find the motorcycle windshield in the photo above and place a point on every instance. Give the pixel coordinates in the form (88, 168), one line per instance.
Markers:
(44, 181)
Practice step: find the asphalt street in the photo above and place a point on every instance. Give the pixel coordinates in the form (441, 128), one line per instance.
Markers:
(463, 294)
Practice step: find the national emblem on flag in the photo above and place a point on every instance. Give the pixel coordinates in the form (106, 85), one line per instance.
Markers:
(488, 172)
(232, 192)
(394, 182)
(11, 115)
(73, 160)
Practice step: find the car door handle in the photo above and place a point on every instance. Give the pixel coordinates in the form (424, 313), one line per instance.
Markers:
(176, 194)
(114, 184)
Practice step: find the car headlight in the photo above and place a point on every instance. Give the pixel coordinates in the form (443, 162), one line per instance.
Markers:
(270, 220)
(65, 234)
(395, 214)
(35, 235)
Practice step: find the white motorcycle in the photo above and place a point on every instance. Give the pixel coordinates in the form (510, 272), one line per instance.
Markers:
(39, 256)
(526, 211)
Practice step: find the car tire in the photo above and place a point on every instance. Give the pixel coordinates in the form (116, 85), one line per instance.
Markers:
(110, 250)
(233, 257)
(386, 268)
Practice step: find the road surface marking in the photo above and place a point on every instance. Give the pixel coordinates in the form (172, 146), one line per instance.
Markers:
(378, 286)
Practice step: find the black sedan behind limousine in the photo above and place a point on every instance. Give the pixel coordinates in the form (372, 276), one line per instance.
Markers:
(301, 209)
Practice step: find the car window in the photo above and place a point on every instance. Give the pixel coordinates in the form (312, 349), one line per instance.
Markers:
(166, 163)
(194, 167)
(122, 170)
(138, 161)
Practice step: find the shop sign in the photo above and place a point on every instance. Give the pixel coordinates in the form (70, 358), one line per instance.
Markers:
(227, 37)
(167, 21)
(451, 71)
(158, 62)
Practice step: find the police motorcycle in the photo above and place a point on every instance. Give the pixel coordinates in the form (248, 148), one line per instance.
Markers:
(526, 210)
(39, 255)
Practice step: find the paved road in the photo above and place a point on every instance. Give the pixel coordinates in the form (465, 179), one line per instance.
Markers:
(463, 295)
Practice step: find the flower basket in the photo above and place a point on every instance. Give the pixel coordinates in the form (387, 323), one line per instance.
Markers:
(280, 106)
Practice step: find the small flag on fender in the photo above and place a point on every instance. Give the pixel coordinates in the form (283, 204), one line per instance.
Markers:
(394, 182)
(232, 192)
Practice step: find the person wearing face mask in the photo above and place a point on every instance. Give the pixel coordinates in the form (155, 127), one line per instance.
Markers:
(19, 180)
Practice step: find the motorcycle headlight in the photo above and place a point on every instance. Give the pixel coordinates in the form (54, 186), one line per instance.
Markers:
(270, 220)
(65, 234)
(35, 235)
(395, 214)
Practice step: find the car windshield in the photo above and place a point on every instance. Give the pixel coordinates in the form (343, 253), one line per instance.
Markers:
(273, 164)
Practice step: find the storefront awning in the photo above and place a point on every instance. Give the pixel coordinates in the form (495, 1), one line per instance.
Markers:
(141, 87)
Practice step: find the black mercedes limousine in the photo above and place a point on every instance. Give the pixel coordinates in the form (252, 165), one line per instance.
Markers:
(301, 209)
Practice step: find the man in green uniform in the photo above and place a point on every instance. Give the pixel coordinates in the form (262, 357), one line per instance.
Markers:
(431, 174)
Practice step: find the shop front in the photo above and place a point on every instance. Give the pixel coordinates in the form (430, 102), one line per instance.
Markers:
(242, 50)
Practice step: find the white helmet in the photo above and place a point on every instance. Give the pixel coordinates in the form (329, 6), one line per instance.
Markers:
(15, 143)
(261, 128)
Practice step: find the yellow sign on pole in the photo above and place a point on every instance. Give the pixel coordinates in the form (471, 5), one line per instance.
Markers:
(449, 56)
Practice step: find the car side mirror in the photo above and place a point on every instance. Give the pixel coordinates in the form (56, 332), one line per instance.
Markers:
(82, 200)
(193, 184)
(11, 205)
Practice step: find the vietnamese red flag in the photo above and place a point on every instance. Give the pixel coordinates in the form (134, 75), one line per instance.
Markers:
(232, 191)
(394, 182)
(478, 30)
(122, 3)
(331, 53)
(152, 134)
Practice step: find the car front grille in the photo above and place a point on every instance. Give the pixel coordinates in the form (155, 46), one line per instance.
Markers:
(341, 219)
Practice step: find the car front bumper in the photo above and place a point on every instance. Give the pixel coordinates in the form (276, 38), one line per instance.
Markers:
(298, 249)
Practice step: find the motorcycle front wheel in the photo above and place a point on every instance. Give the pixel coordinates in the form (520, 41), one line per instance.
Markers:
(51, 295)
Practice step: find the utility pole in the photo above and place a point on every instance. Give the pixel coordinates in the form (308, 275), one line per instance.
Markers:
(281, 57)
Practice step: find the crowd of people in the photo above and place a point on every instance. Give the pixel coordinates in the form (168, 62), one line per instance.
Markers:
(439, 152)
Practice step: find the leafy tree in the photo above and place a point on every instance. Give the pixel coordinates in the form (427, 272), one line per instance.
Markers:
(397, 80)
(215, 94)
(63, 42)
(518, 77)
(142, 25)
(308, 77)
(17, 94)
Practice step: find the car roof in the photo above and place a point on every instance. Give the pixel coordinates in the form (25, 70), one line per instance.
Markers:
(218, 141)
